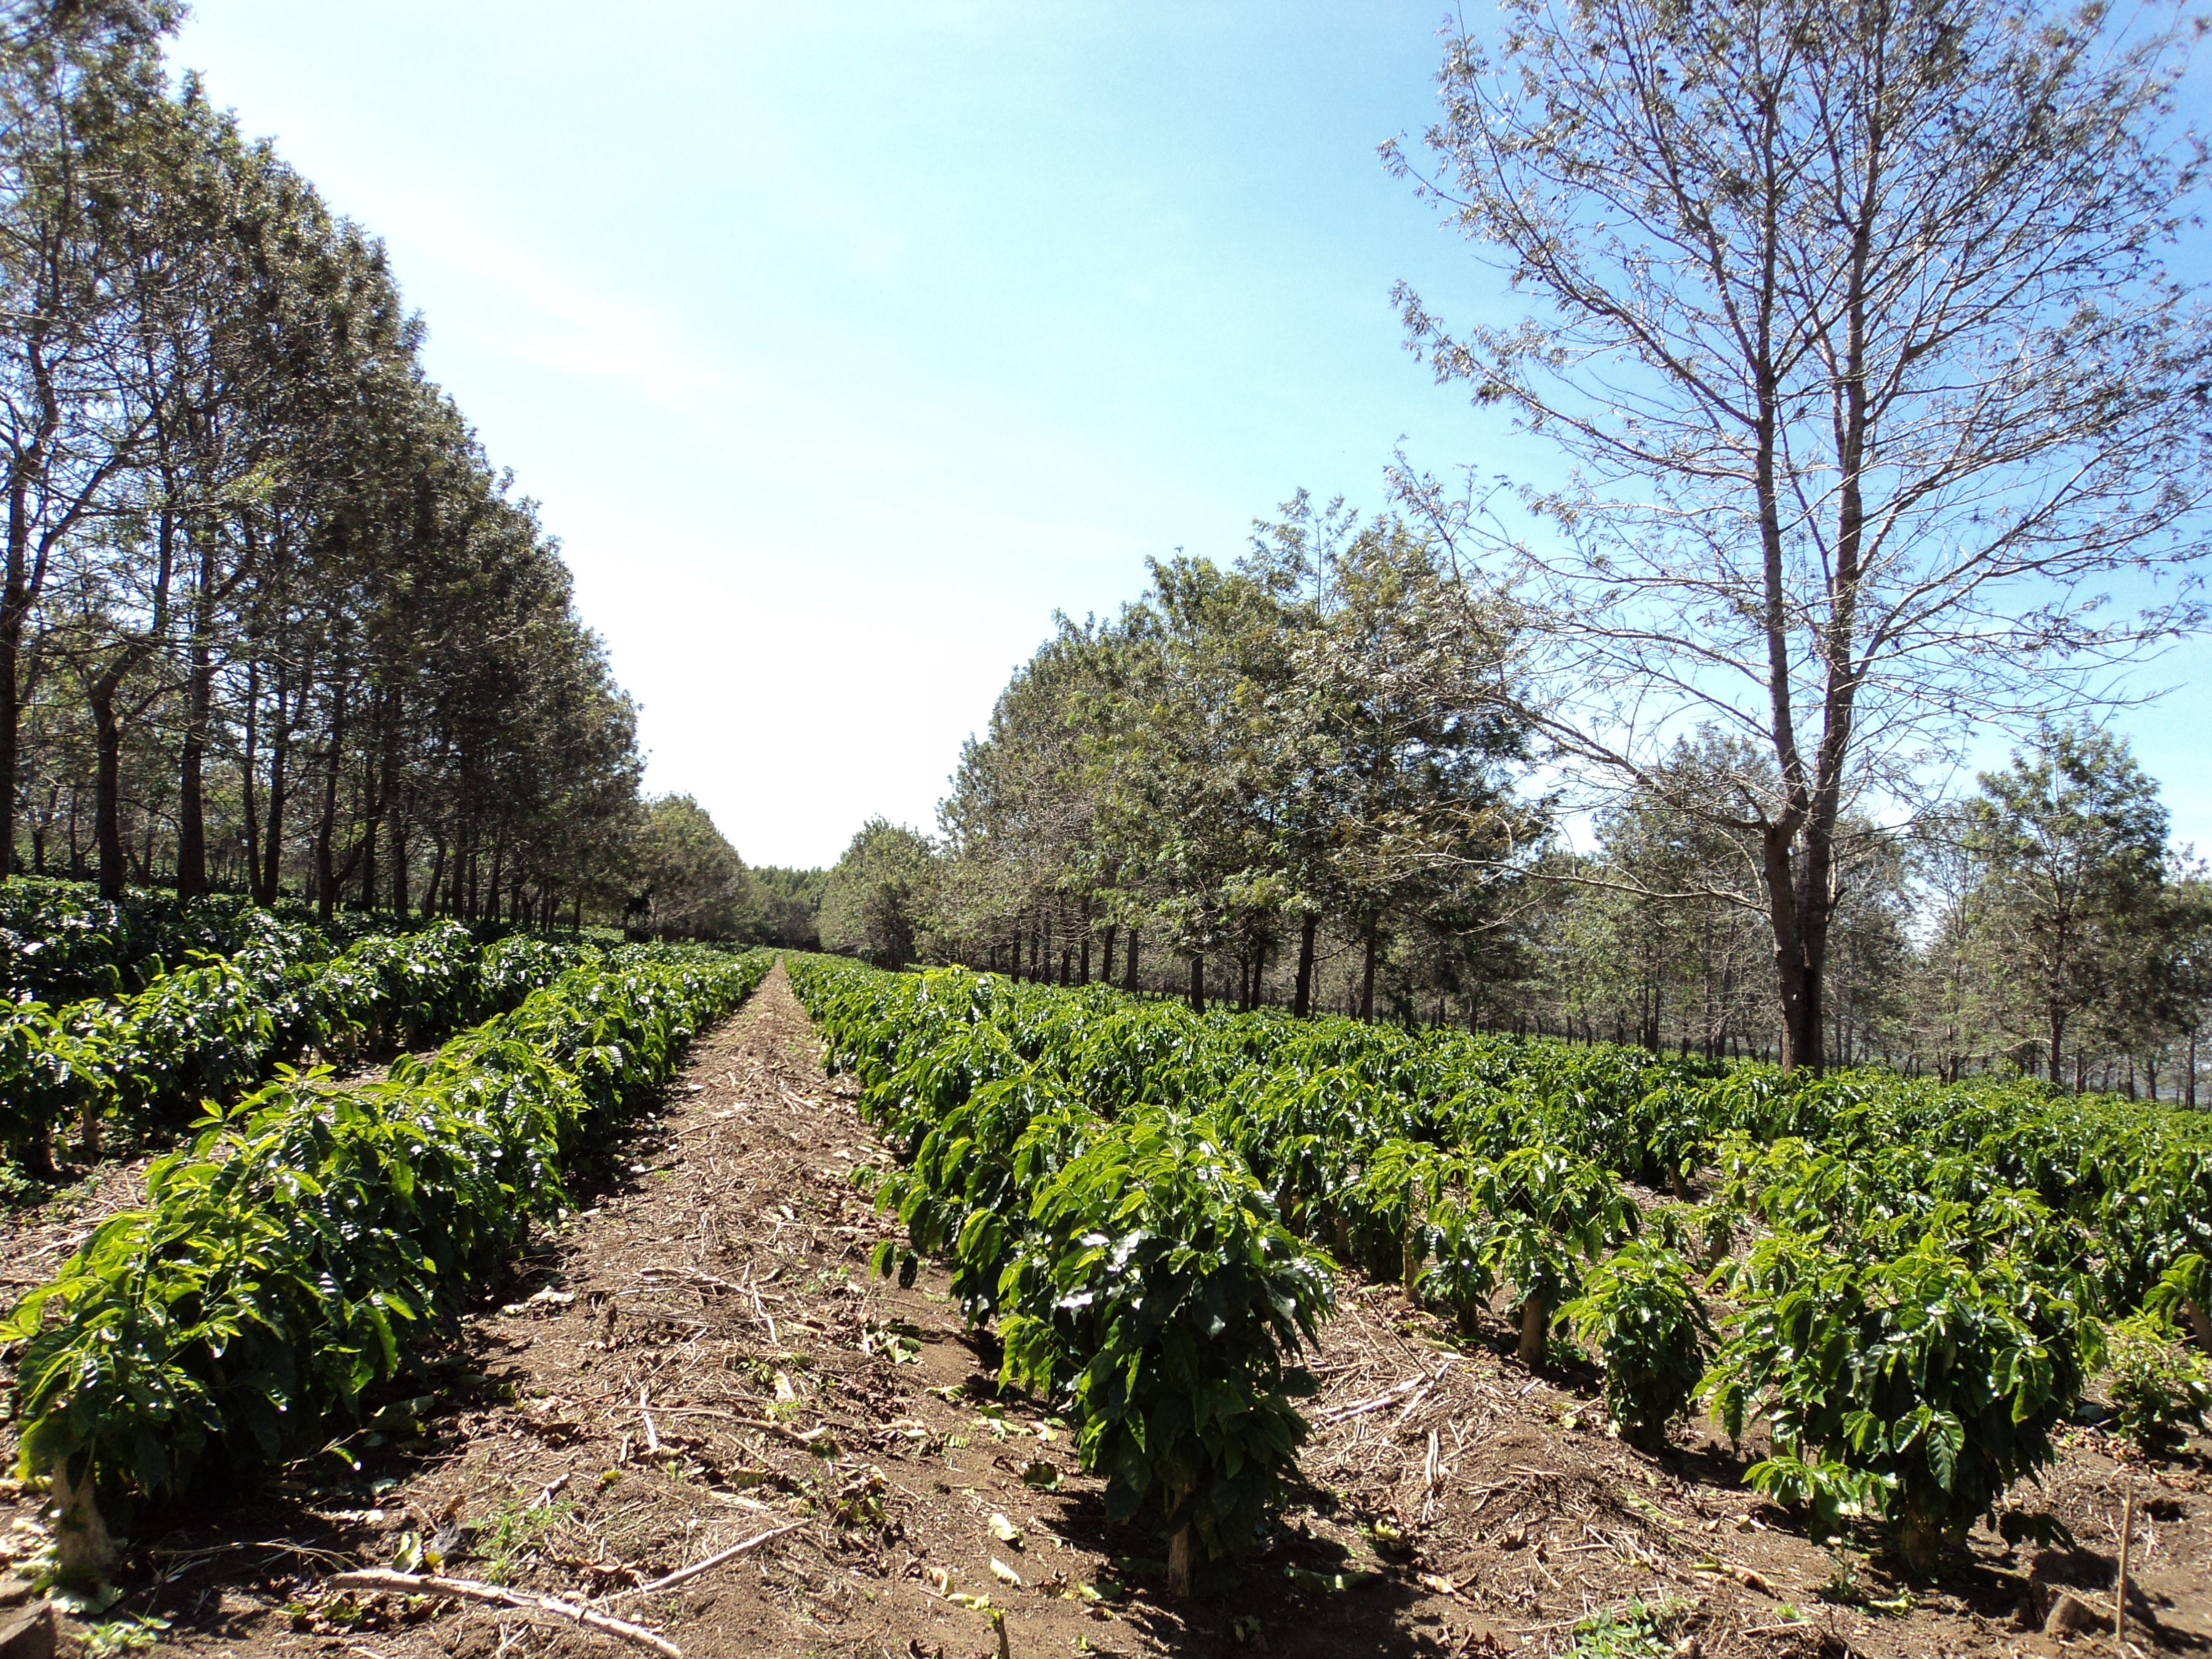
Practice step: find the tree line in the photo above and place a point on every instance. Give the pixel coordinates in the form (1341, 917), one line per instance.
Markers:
(272, 618)
(1301, 781)
(1875, 394)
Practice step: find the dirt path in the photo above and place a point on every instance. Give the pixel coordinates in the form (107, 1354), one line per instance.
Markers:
(703, 1357)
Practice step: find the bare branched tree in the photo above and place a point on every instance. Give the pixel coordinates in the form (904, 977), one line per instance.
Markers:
(1885, 417)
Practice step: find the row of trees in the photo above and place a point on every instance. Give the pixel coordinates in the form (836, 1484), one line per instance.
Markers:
(688, 882)
(1248, 773)
(1881, 421)
(1246, 762)
(2045, 924)
(271, 619)
(1305, 779)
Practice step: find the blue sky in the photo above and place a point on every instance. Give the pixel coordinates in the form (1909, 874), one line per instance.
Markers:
(842, 345)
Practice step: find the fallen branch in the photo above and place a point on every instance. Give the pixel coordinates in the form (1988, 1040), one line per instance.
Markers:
(695, 1276)
(2120, 1589)
(468, 1590)
(765, 1425)
(1388, 1396)
(1411, 1405)
(685, 1575)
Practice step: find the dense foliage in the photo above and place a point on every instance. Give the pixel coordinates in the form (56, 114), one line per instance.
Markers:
(1919, 1307)
(270, 618)
(689, 882)
(1260, 784)
(60, 941)
(282, 1262)
(1140, 1273)
(209, 1031)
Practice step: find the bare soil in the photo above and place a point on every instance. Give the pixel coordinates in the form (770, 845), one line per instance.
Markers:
(702, 1357)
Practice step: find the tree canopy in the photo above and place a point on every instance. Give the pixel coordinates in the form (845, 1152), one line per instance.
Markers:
(270, 618)
(1853, 323)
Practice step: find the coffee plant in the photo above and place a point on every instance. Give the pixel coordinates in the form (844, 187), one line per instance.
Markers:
(1156, 1296)
(282, 1262)
(2159, 1389)
(215, 1029)
(1906, 1367)
(1639, 1309)
(1929, 1260)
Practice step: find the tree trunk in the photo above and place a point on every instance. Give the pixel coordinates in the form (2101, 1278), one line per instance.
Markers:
(1797, 990)
(11, 721)
(327, 892)
(399, 858)
(1302, 1000)
(1367, 975)
(1129, 971)
(1197, 984)
(280, 758)
(191, 812)
(107, 789)
(365, 854)
(199, 699)
(1106, 968)
(23, 579)
(85, 1552)
(1533, 1323)
(1179, 1564)
(14, 606)
(1920, 1541)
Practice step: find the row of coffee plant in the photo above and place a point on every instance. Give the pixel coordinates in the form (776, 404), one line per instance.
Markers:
(211, 1030)
(1908, 1283)
(60, 941)
(1135, 1266)
(282, 1262)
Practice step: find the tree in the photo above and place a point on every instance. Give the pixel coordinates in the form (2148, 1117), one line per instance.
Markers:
(269, 616)
(1314, 735)
(71, 79)
(1854, 326)
(1021, 827)
(1387, 734)
(2073, 908)
(877, 901)
(790, 906)
(692, 884)
(1177, 734)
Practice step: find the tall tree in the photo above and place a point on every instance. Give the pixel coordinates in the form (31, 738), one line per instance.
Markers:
(878, 900)
(72, 80)
(2073, 906)
(1389, 737)
(693, 883)
(1854, 324)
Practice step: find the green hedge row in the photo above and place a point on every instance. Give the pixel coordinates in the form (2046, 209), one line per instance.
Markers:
(1922, 1305)
(209, 1031)
(281, 1263)
(60, 941)
(1138, 1274)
